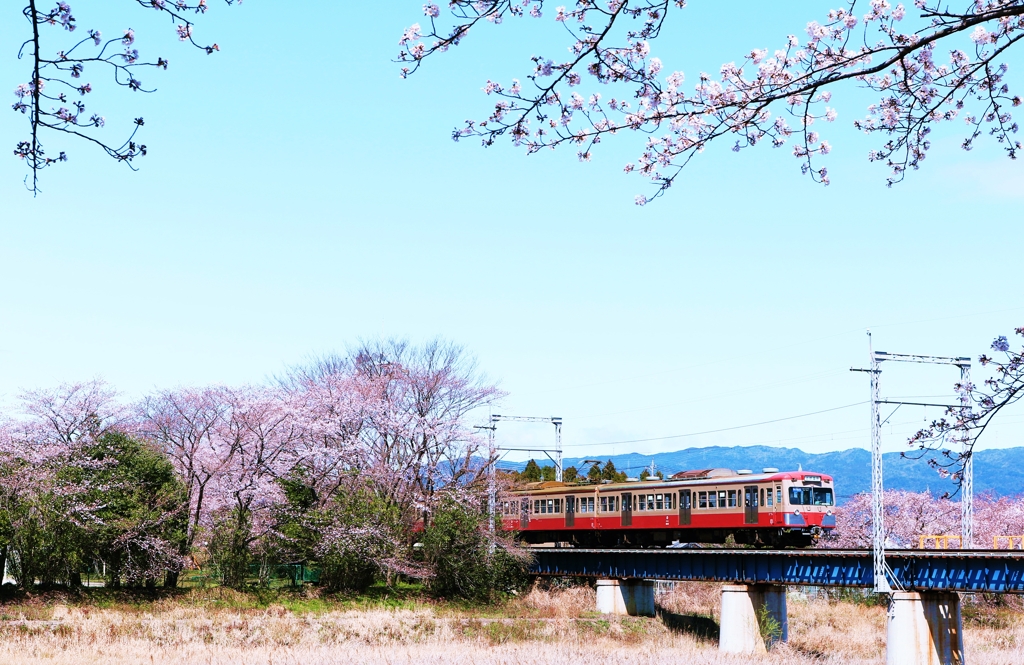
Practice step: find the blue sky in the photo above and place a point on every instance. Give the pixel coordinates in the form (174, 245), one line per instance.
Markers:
(299, 196)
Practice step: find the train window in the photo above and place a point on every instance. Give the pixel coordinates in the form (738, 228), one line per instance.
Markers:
(778, 494)
(703, 500)
(670, 501)
(762, 496)
(732, 498)
(721, 499)
(822, 497)
(586, 504)
(558, 505)
(536, 507)
(604, 504)
(800, 496)
(551, 505)
(771, 499)
(643, 502)
(712, 499)
(650, 501)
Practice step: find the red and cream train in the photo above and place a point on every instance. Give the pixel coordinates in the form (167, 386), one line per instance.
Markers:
(770, 508)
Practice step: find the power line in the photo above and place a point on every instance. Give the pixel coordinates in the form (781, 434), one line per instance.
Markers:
(715, 431)
(785, 382)
(660, 372)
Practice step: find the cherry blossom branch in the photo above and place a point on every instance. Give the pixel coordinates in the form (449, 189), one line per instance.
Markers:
(917, 92)
(957, 433)
(66, 69)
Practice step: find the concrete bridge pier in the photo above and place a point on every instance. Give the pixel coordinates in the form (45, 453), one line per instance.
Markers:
(924, 629)
(753, 618)
(632, 597)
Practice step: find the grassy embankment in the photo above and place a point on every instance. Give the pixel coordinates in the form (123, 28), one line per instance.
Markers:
(400, 626)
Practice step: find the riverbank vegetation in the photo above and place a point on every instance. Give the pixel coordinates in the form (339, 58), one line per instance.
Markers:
(401, 625)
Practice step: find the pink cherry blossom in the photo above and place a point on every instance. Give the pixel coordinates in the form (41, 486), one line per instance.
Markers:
(747, 95)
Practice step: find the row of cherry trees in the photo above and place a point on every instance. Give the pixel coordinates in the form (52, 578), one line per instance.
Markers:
(332, 463)
(910, 515)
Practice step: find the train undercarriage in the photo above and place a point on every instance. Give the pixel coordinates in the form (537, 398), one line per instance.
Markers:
(673, 538)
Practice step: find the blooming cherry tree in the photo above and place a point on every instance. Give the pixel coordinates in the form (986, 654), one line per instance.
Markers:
(910, 515)
(929, 63)
(53, 98)
(190, 426)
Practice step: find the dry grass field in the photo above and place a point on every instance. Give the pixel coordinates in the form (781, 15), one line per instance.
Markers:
(538, 628)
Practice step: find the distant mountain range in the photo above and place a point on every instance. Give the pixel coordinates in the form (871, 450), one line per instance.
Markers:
(1000, 472)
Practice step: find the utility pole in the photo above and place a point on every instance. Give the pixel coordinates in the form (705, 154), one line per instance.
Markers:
(877, 507)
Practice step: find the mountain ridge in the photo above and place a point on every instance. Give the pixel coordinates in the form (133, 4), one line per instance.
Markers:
(999, 471)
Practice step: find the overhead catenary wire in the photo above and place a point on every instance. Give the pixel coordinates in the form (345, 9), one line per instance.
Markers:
(715, 431)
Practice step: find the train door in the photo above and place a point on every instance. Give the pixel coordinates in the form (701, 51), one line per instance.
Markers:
(524, 513)
(750, 504)
(570, 510)
(684, 506)
(627, 509)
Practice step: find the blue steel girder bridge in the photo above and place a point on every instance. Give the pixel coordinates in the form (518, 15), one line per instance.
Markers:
(924, 625)
(964, 571)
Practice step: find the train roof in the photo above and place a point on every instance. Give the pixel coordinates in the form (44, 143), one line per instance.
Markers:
(682, 479)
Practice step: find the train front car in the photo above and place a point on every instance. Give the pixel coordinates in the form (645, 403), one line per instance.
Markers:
(721, 506)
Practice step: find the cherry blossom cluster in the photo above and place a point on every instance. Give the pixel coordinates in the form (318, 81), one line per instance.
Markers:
(910, 515)
(52, 100)
(776, 97)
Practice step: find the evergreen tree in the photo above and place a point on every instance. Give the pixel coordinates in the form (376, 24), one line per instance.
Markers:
(532, 472)
(570, 474)
(547, 473)
(594, 474)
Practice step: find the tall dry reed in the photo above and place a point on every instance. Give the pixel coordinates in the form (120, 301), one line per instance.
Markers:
(539, 628)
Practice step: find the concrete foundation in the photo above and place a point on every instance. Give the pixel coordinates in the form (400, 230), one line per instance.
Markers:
(753, 618)
(924, 629)
(632, 597)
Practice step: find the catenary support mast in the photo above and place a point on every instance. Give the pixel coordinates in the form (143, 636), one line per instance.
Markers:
(554, 420)
(877, 507)
(967, 479)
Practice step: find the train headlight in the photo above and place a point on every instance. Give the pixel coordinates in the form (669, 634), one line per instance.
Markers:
(796, 512)
(828, 512)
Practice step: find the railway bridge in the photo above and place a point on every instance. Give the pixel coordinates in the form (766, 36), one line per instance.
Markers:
(924, 622)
